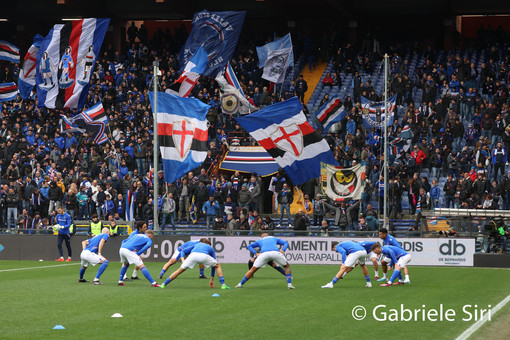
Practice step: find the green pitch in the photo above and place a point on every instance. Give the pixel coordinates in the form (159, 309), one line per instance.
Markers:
(33, 301)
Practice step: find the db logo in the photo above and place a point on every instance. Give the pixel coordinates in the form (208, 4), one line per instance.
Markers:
(452, 248)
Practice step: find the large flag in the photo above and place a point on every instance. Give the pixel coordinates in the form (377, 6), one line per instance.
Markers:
(9, 52)
(275, 57)
(232, 100)
(182, 133)
(66, 60)
(93, 121)
(373, 112)
(194, 68)
(341, 184)
(217, 33)
(26, 80)
(331, 112)
(282, 129)
(8, 92)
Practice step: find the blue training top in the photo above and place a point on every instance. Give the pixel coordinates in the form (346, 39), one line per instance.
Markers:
(65, 221)
(268, 243)
(394, 253)
(200, 247)
(93, 245)
(367, 245)
(347, 248)
(138, 243)
(391, 241)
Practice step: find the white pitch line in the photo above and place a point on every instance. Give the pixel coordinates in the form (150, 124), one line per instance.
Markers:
(28, 268)
(474, 327)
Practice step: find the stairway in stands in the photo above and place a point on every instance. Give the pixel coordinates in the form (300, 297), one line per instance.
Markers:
(313, 78)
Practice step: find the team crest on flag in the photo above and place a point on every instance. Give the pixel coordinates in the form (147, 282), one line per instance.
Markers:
(289, 138)
(374, 112)
(341, 184)
(182, 134)
(230, 103)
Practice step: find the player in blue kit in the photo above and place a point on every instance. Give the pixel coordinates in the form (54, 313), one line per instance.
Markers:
(399, 259)
(202, 253)
(141, 227)
(130, 252)
(372, 256)
(352, 254)
(269, 251)
(177, 256)
(91, 254)
(388, 240)
(64, 234)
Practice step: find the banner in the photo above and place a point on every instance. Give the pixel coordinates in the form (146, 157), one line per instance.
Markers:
(341, 184)
(9, 52)
(317, 250)
(8, 92)
(249, 159)
(26, 80)
(373, 112)
(275, 57)
(217, 33)
(330, 113)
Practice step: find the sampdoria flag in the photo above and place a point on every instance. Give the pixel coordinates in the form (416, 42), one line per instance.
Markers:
(217, 33)
(8, 92)
(9, 52)
(275, 57)
(130, 206)
(232, 100)
(331, 112)
(80, 36)
(282, 129)
(26, 80)
(374, 112)
(194, 68)
(231, 78)
(341, 184)
(182, 133)
(92, 121)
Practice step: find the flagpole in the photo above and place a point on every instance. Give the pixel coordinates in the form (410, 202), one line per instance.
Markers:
(386, 117)
(155, 151)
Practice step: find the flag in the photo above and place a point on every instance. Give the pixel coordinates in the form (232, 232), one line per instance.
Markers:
(93, 121)
(9, 52)
(275, 57)
(8, 92)
(193, 211)
(26, 79)
(282, 129)
(194, 68)
(249, 159)
(130, 206)
(283, 42)
(65, 61)
(373, 112)
(182, 133)
(231, 78)
(217, 33)
(232, 100)
(342, 184)
(331, 112)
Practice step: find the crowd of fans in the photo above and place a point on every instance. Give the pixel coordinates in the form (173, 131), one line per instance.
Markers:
(43, 168)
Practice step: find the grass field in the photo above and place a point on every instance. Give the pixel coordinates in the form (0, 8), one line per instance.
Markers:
(34, 300)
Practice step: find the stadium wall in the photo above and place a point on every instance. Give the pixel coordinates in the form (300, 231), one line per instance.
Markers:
(233, 249)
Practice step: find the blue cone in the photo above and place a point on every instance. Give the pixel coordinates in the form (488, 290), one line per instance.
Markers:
(59, 327)
(215, 295)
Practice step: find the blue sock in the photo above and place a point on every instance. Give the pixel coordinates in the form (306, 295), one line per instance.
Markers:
(335, 280)
(289, 278)
(162, 272)
(147, 275)
(201, 271)
(243, 281)
(280, 269)
(367, 277)
(102, 269)
(167, 281)
(400, 275)
(123, 271)
(222, 280)
(396, 273)
(82, 271)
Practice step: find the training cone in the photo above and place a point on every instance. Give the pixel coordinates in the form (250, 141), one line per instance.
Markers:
(59, 327)
(117, 315)
(215, 295)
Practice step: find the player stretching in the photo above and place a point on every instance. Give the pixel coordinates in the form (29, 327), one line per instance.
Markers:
(268, 252)
(352, 254)
(177, 256)
(91, 254)
(201, 253)
(372, 256)
(130, 252)
(399, 259)
(141, 227)
(388, 240)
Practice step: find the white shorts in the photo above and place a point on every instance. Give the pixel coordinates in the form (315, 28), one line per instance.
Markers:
(88, 257)
(194, 258)
(176, 254)
(130, 257)
(356, 257)
(404, 260)
(387, 259)
(372, 255)
(267, 256)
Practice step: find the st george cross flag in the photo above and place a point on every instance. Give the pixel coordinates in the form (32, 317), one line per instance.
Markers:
(331, 112)
(182, 133)
(275, 57)
(194, 68)
(341, 184)
(26, 80)
(8, 92)
(282, 129)
(93, 121)
(66, 60)
(9, 52)
(374, 112)
(217, 33)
